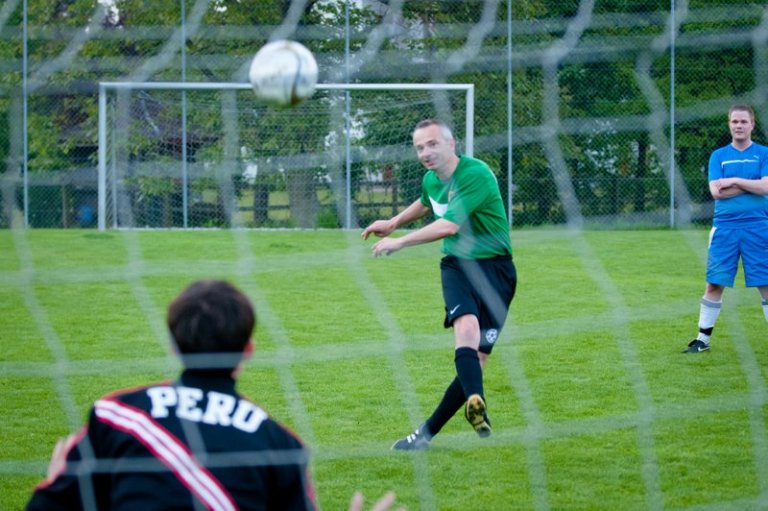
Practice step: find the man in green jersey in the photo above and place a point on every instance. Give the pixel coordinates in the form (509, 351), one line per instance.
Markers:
(477, 272)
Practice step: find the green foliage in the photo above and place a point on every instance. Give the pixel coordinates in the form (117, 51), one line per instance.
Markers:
(328, 218)
(597, 83)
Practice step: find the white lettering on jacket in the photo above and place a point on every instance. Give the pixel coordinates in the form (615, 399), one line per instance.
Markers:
(220, 409)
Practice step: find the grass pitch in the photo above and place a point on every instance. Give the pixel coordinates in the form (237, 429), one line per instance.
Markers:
(593, 405)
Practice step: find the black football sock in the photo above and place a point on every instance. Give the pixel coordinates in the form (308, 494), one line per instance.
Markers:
(452, 401)
(469, 371)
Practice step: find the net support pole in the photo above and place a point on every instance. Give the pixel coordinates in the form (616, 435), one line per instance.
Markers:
(469, 124)
(25, 113)
(347, 127)
(672, 31)
(102, 166)
(510, 119)
(184, 155)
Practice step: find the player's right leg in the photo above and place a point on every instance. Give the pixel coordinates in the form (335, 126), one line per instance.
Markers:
(416, 441)
(755, 262)
(452, 401)
(709, 310)
(722, 262)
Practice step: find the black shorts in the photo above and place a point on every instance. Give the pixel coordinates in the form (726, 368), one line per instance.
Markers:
(483, 287)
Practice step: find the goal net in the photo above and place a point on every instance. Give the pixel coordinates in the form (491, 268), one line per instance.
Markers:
(594, 115)
(212, 155)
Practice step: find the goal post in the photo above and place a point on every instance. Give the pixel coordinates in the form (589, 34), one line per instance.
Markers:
(208, 154)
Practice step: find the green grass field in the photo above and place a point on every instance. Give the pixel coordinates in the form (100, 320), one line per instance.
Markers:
(593, 405)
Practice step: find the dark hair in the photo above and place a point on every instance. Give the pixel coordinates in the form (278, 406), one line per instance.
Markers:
(742, 108)
(211, 316)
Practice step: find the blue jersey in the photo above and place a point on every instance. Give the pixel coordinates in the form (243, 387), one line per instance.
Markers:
(751, 163)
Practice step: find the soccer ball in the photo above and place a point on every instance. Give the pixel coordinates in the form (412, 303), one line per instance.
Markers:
(283, 73)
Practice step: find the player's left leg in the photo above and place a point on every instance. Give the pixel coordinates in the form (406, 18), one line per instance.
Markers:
(461, 314)
(764, 295)
(466, 330)
(755, 262)
(493, 283)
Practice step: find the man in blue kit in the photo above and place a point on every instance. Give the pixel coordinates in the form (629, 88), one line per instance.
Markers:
(738, 181)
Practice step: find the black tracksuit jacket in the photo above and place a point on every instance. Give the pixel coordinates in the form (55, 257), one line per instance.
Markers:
(192, 444)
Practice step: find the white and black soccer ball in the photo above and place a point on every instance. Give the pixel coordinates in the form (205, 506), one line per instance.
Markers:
(283, 73)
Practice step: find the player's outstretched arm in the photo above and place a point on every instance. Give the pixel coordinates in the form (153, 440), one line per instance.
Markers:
(438, 229)
(380, 228)
(383, 228)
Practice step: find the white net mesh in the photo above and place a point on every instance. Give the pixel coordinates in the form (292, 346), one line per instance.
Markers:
(595, 114)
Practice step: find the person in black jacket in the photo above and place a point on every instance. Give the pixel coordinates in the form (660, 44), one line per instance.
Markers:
(193, 443)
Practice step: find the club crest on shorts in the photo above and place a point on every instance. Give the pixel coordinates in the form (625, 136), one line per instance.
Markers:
(491, 335)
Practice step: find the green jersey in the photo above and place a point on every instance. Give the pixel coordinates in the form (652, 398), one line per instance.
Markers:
(471, 200)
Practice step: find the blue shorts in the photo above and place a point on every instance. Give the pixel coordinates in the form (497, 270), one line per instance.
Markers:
(727, 245)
